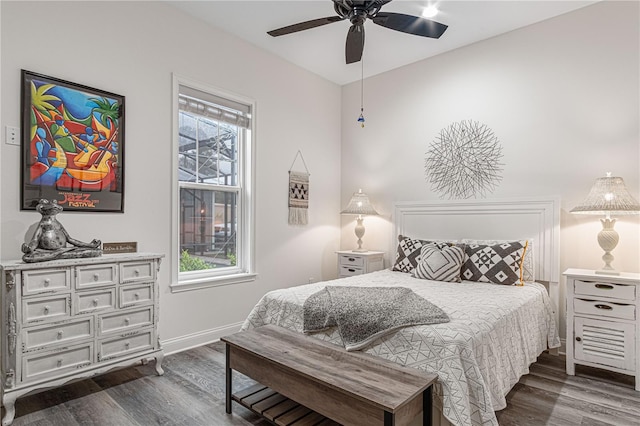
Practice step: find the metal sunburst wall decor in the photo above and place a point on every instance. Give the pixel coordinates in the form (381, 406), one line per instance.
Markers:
(464, 161)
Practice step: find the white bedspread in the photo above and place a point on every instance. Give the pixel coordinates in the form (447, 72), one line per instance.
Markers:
(495, 333)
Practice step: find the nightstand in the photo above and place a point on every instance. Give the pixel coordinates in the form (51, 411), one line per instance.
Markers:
(357, 263)
(602, 321)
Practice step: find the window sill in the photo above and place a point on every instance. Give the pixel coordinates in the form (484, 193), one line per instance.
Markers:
(206, 282)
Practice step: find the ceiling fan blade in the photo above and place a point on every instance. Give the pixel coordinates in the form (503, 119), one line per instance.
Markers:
(410, 24)
(304, 26)
(355, 44)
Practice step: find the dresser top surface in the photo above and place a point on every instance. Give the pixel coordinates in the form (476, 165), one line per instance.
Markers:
(105, 258)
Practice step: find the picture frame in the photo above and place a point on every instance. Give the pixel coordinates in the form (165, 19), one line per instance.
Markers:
(72, 145)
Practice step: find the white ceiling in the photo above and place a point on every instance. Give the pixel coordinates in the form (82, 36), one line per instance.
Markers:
(321, 50)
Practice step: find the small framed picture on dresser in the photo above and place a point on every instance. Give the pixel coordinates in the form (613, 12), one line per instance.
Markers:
(72, 145)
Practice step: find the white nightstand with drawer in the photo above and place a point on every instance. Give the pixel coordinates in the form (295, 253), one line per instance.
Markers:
(602, 321)
(357, 263)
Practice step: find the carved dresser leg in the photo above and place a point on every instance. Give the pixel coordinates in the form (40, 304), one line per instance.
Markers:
(159, 359)
(9, 402)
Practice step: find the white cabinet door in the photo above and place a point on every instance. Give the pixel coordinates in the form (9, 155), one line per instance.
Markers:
(605, 342)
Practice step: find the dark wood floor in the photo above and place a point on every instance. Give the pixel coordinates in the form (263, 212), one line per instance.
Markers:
(191, 392)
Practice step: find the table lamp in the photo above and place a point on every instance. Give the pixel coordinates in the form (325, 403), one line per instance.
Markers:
(609, 196)
(360, 205)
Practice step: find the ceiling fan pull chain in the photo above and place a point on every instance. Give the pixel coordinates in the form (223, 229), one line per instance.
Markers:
(361, 118)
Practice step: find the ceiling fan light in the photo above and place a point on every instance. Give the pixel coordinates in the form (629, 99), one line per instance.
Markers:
(430, 11)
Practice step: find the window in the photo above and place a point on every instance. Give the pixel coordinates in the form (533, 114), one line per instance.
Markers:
(213, 219)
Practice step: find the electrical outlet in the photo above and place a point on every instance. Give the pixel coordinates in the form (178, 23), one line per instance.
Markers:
(12, 135)
(311, 279)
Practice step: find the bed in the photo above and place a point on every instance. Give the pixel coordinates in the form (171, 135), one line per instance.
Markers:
(495, 331)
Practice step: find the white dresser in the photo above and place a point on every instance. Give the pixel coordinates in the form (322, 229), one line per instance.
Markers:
(602, 321)
(75, 318)
(359, 262)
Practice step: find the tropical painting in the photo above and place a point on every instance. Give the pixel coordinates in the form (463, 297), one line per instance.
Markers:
(72, 145)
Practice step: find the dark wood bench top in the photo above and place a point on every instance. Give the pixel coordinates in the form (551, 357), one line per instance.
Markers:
(375, 381)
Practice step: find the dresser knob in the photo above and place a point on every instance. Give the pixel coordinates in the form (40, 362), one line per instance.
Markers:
(127, 321)
(578, 339)
(95, 277)
(47, 281)
(60, 333)
(136, 272)
(59, 363)
(136, 296)
(126, 345)
(95, 302)
(46, 310)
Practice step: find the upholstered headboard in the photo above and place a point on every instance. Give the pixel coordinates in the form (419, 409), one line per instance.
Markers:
(501, 219)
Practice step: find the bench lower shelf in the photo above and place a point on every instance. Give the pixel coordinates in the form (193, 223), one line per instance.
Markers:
(278, 409)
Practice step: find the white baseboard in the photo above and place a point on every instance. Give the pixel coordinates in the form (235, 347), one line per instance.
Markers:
(563, 346)
(189, 341)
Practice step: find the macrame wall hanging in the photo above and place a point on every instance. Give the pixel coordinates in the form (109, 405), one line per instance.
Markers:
(464, 161)
(298, 193)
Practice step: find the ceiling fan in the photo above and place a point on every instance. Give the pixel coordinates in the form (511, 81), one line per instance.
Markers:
(357, 12)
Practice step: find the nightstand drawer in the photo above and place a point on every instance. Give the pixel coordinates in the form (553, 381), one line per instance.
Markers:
(605, 309)
(603, 289)
(351, 261)
(347, 271)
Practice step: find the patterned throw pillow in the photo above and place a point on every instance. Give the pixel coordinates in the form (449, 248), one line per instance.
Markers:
(499, 264)
(440, 263)
(408, 253)
(528, 264)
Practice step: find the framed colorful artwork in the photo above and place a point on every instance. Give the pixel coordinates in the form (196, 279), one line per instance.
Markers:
(72, 145)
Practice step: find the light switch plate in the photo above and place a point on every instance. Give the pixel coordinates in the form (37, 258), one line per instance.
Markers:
(12, 135)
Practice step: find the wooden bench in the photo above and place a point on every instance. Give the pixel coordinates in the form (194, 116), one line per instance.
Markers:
(350, 388)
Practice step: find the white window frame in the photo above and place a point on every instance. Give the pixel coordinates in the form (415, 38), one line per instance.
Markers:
(244, 270)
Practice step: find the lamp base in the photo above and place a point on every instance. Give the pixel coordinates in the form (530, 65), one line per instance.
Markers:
(607, 272)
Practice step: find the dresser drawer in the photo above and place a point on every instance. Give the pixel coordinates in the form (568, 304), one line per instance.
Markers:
(346, 260)
(347, 271)
(90, 301)
(123, 345)
(58, 362)
(605, 309)
(614, 291)
(131, 295)
(60, 333)
(137, 271)
(45, 280)
(49, 308)
(123, 321)
(96, 275)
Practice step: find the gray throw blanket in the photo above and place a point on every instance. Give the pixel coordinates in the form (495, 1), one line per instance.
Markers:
(362, 314)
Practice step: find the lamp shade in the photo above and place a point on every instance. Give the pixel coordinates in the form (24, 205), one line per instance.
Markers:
(608, 196)
(360, 204)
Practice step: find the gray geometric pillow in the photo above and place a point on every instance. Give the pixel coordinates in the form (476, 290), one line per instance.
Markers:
(528, 264)
(408, 253)
(440, 263)
(499, 264)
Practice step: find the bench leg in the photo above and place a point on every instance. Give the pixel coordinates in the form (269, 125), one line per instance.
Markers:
(228, 378)
(427, 407)
(389, 419)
